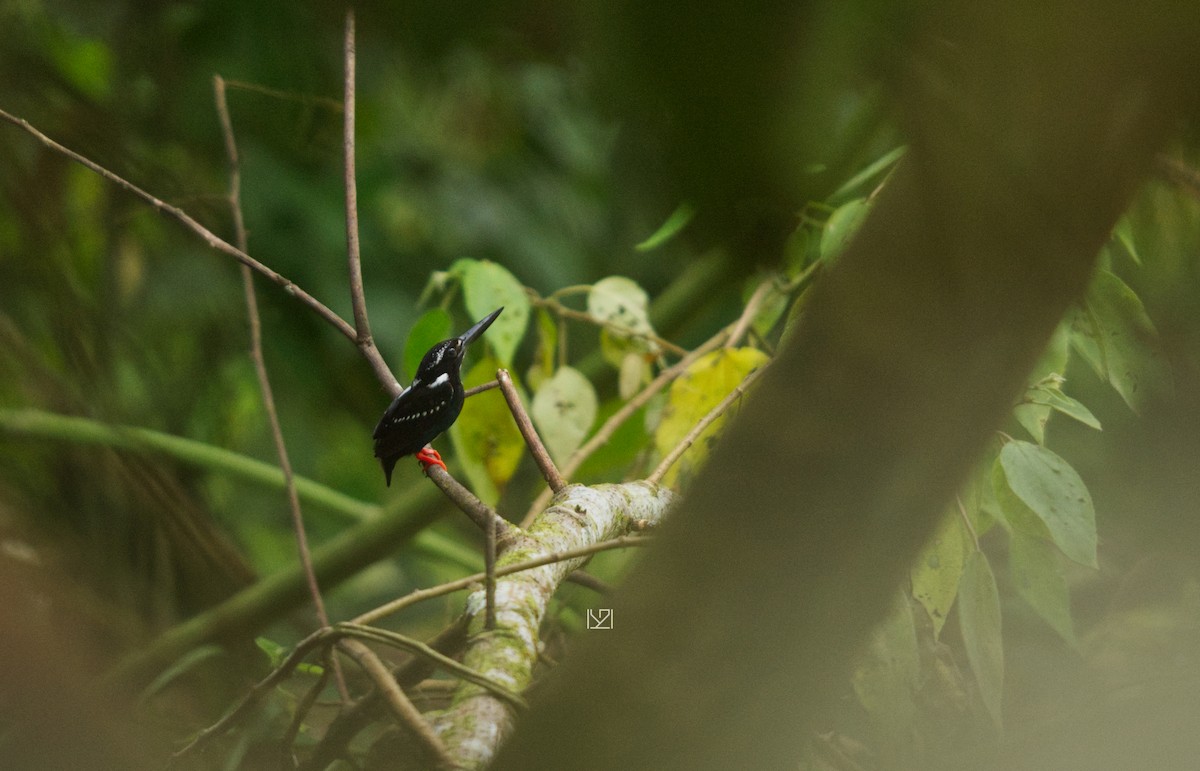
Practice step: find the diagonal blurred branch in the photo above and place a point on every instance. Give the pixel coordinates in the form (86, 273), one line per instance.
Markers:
(191, 224)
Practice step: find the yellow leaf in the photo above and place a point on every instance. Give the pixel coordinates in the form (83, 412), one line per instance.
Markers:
(692, 396)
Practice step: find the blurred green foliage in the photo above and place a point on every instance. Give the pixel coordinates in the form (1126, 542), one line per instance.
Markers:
(476, 140)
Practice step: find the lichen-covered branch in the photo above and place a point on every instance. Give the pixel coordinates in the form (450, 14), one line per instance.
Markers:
(477, 721)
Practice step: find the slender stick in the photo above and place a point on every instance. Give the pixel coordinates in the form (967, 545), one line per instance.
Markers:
(748, 313)
(405, 712)
(478, 511)
(570, 313)
(305, 705)
(420, 595)
(358, 299)
(704, 422)
(525, 426)
(489, 568)
(481, 388)
(618, 418)
(191, 224)
(260, 369)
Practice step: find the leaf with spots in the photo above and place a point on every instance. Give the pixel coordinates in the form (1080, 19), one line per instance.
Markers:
(1052, 490)
(693, 394)
(486, 287)
(486, 440)
(564, 409)
(938, 568)
(623, 308)
(1115, 336)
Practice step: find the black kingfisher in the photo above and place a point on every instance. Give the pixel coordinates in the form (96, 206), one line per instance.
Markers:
(429, 405)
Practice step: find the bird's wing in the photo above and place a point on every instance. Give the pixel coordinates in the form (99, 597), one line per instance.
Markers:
(406, 413)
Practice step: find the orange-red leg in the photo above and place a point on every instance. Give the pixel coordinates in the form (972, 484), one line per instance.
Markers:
(427, 456)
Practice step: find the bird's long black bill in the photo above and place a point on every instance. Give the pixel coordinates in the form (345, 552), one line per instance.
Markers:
(477, 330)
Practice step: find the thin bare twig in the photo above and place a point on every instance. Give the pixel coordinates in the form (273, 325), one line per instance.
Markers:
(618, 418)
(478, 511)
(747, 318)
(287, 754)
(481, 388)
(287, 96)
(704, 422)
(420, 595)
(406, 714)
(489, 569)
(418, 648)
(191, 224)
(525, 426)
(585, 579)
(256, 693)
(570, 313)
(260, 369)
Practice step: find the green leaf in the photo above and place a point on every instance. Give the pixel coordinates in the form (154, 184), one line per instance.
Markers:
(486, 287)
(841, 227)
(547, 349)
(1016, 516)
(1123, 235)
(693, 394)
(1033, 417)
(1053, 490)
(869, 174)
(431, 328)
(885, 680)
(622, 306)
(937, 571)
(634, 373)
(979, 623)
(774, 304)
(564, 409)
(1115, 336)
(486, 440)
(676, 222)
(1037, 573)
(1057, 400)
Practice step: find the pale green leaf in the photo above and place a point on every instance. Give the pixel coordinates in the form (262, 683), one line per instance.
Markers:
(487, 443)
(635, 372)
(1053, 490)
(1115, 336)
(431, 328)
(623, 307)
(486, 287)
(938, 568)
(564, 409)
(1123, 235)
(1036, 570)
(693, 394)
(676, 222)
(979, 624)
(841, 227)
(870, 174)
(1033, 417)
(886, 677)
(1057, 400)
(547, 349)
